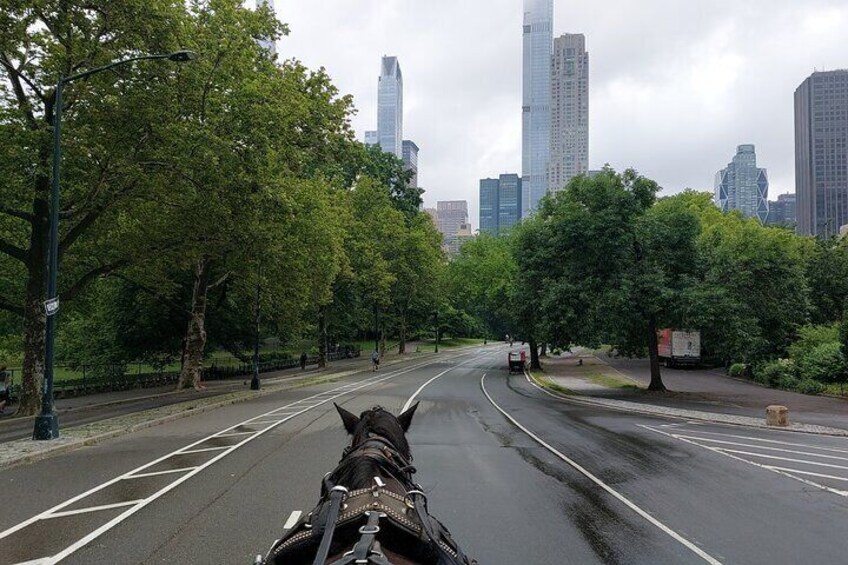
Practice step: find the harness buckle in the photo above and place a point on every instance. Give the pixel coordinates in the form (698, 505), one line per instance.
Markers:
(366, 529)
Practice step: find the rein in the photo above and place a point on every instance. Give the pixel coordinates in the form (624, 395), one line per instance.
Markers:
(404, 511)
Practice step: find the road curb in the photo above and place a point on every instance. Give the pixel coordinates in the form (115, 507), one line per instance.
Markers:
(665, 412)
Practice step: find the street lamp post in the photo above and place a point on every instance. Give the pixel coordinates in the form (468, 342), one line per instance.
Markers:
(436, 313)
(47, 423)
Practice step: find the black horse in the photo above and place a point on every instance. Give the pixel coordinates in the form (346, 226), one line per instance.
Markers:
(371, 511)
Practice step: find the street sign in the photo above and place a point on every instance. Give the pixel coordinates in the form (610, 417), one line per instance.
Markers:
(51, 306)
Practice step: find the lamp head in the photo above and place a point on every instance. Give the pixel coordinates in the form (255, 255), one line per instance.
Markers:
(182, 56)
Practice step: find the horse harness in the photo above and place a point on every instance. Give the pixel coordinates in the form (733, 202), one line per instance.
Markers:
(378, 506)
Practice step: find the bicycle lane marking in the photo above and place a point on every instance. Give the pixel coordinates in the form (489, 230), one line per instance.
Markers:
(240, 438)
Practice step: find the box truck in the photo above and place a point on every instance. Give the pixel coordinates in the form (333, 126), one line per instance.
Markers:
(679, 348)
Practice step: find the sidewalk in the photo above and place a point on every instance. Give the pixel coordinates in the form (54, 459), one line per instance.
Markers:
(696, 394)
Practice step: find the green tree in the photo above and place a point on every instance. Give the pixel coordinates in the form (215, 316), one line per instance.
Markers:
(106, 123)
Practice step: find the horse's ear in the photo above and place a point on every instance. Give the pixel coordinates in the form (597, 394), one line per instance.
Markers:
(405, 419)
(349, 420)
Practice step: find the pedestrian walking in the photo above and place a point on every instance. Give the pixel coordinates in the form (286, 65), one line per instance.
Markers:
(5, 388)
(375, 360)
(303, 359)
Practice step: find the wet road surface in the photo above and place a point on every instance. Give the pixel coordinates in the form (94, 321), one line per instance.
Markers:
(218, 487)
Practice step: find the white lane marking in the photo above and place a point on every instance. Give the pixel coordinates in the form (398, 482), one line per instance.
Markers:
(810, 473)
(771, 468)
(295, 516)
(202, 450)
(422, 387)
(235, 434)
(755, 446)
(129, 475)
(158, 473)
(778, 458)
(627, 502)
(774, 441)
(93, 509)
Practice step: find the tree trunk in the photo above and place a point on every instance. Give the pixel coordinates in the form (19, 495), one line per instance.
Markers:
(382, 343)
(534, 355)
(322, 337)
(653, 353)
(196, 336)
(34, 318)
(544, 352)
(402, 344)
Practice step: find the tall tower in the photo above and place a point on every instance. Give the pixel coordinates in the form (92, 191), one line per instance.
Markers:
(268, 44)
(821, 153)
(536, 104)
(390, 107)
(743, 186)
(569, 110)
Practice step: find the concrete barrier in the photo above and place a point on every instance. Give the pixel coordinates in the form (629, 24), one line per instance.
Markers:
(777, 415)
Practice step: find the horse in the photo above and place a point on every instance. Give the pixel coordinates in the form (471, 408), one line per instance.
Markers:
(370, 510)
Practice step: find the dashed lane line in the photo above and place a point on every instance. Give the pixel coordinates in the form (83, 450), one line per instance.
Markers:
(626, 501)
(300, 407)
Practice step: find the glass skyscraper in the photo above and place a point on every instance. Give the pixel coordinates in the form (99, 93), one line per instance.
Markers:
(821, 153)
(569, 110)
(410, 160)
(743, 186)
(390, 107)
(536, 101)
(500, 203)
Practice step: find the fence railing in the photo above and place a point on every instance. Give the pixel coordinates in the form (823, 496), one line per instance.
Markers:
(92, 383)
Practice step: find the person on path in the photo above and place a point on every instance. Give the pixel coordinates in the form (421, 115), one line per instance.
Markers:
(5, 386)
(303, 359)
(375, 360)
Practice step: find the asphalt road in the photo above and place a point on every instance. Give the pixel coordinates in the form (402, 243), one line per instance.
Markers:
(608, 488)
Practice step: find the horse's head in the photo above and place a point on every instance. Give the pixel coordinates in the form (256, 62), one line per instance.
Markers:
(379, 422)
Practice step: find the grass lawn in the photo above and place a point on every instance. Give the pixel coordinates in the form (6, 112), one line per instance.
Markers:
(612, 381)
(448, 343)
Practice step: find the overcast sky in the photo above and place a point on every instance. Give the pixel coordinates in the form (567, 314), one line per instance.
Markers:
(674, 86)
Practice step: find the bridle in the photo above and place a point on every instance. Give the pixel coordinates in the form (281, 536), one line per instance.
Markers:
(381, 506)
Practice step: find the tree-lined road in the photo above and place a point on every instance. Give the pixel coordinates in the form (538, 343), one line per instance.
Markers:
(612, 488)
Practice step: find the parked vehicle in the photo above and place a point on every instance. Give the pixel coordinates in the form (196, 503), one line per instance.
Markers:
(679, 348)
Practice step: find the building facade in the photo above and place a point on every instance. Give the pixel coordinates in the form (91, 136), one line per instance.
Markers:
(536, 101)
(452, 219)
(410, 160)
(569, 110)
(390, 107)
(371, 137)
(821, 153)
(743, 186)
(500, 203)
(782, 211)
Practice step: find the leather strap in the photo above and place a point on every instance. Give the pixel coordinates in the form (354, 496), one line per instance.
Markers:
(337, 496)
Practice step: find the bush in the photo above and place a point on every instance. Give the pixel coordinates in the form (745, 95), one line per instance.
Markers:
(738, 370)
(775, 372)
(810, 337)
(824, 363)
(809, 386)
(788, 382)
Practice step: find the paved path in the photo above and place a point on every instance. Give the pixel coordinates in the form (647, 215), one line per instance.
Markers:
(573, 484)
(698, 390)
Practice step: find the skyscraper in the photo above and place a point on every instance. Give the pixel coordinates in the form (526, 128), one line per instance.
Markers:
(821, 153)
(451, 219)
(500, 203)
(569, 110)
(371, 137)
(743, 186)
(268, 44)
(782, 212)
(410, 160)
(390, 107)
(536, 101)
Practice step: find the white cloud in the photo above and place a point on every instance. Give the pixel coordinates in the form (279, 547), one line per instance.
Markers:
(675, 85)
